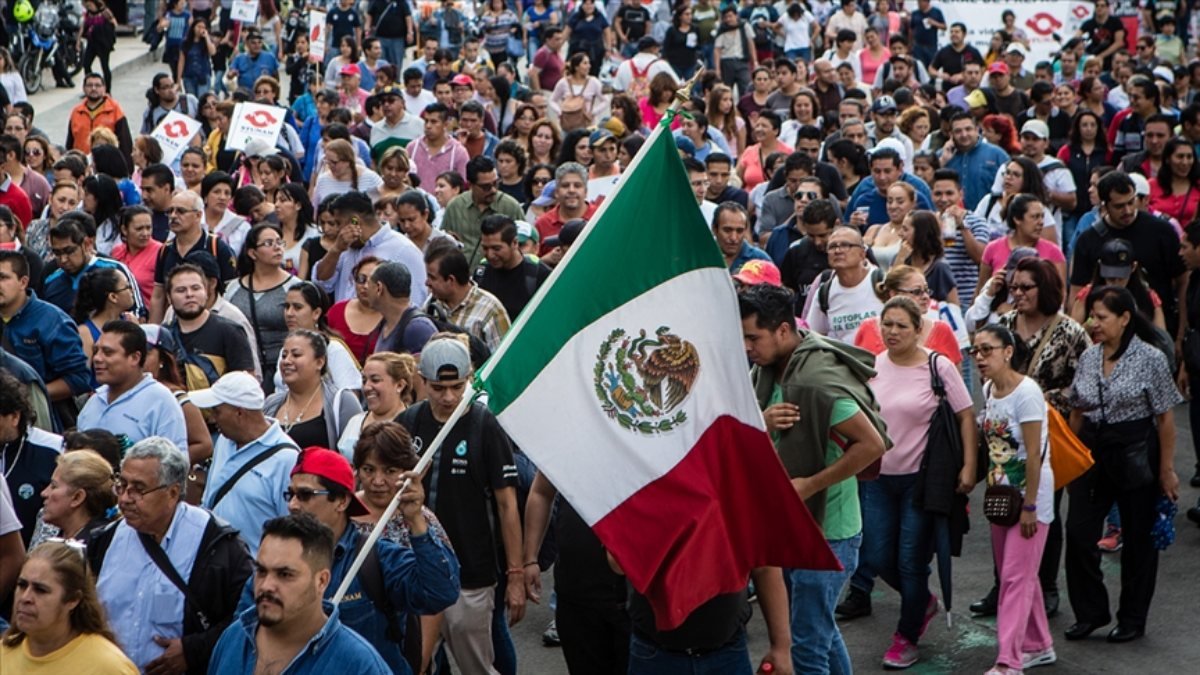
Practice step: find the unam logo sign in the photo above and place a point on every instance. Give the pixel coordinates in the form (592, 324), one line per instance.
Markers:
(1043, 24)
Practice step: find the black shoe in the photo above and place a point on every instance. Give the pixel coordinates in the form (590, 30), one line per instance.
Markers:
(986, 606)
(1050, 600)
(1193, 514)
(1126, 633)
(1195, 482)
(1082, 629)
(857, 604)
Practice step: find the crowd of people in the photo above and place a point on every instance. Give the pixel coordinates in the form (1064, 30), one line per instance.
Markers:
(218, 368)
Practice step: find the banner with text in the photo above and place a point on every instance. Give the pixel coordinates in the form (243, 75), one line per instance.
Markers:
(254, 121)
(1047, 24)
(173, 135)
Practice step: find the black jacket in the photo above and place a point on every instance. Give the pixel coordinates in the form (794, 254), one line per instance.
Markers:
(219, 574)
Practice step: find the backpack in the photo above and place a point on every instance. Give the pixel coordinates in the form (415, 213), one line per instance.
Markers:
(480, 352)
(639, 86)
(453, 21)
(763, 35)
(827, 284)
(198, 371)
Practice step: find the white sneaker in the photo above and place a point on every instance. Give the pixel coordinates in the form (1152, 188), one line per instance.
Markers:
(1042, 658)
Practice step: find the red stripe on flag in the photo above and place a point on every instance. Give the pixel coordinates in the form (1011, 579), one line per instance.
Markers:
(697, 531)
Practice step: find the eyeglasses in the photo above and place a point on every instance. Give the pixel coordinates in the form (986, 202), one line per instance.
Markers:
(486, 187)
(270, 243)
(303, 494)
(121, 289)
(841, 246)
(121, 487)
(1021, 288)
(361, 279)
(982, 350)
(918, 292)
(64, 252)
(179, 211)
(806, 195)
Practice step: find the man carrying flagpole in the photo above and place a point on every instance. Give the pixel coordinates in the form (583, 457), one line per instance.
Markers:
(639, 408)
(838, 435)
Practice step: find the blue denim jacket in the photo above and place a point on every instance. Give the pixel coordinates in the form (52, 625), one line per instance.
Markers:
(43, 336)
(333, 649)
(421, 580)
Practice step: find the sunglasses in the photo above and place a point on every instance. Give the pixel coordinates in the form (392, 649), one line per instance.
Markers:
(806, 195)
(1023, 288)
(303, 494)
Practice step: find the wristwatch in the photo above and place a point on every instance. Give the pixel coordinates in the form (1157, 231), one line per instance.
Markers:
(1029, 507)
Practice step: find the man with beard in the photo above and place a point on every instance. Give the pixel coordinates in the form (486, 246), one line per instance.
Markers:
(807, 258)
(184, 217)
(212, 344)
(360, 235)
(290, 626)
(394, 581)
(97, 109)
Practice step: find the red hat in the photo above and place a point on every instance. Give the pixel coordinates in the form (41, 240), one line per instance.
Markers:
(317, 461)
(349, 69)
(756, 272)
(998, 67)
(461, 80)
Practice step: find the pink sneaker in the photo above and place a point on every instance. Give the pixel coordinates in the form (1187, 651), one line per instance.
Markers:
(902, 653)
(1111, 543)
(931, 611)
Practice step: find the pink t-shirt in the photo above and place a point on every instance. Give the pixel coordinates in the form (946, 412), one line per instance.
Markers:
(996, 253)
(907, 402)
(141, 265)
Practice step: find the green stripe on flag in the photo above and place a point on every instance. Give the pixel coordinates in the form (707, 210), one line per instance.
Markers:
(648, 231)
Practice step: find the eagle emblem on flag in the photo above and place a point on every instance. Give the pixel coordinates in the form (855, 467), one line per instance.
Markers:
(641, 380)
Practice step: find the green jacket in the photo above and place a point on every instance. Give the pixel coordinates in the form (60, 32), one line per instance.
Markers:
(818, 373)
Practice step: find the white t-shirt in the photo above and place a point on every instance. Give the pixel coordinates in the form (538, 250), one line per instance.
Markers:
(848, 307)
(369, 182)
(1057, 180)
(797, 34)
(1001, 426)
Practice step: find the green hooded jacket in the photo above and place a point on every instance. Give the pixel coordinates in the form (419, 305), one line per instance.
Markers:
(819, 372)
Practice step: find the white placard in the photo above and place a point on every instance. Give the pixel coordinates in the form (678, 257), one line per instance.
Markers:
(316, 36)
(254, 121)
(245, 11)
(1040, 19)
(173, 134)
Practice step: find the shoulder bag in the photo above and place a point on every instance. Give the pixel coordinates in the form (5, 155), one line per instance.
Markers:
(258, 459)
(159, 556)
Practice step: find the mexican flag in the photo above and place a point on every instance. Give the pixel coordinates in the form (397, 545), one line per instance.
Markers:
(625, 380)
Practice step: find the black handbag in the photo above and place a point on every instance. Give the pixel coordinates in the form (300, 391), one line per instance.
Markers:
(1002, 505)
(1191, 350)
(1123, 448)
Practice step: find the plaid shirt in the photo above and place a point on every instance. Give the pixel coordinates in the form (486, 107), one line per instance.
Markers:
(480, 314)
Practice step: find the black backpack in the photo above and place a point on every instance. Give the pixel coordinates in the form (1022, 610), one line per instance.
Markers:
(827, 284)
(480, 352)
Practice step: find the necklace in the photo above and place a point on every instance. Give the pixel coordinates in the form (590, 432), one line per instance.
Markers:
(5, 468)
(288, 422)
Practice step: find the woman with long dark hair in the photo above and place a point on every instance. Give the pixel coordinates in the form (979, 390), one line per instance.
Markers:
(850, 159)
(575, 148)
(577, 86)
(217, 192)
(681, 44)
(1015, 432)
(104, 295)
(1116, 267)
(1086, 148)
(138, 249)
(102, 199)
(588, 32)
(1123, 396)
(545, 143)
(194, 69)
(921, 247)
(1025, 220)
(1175, 191)
(306, 307)
(260, 291)
(1021, 175)
(313, 410)
(1093, 96)
(58, 622)
(536, 179)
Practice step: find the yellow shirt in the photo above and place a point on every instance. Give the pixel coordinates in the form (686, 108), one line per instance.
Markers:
(85, 655)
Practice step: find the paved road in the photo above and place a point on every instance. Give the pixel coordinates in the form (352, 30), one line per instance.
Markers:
(1170, 646)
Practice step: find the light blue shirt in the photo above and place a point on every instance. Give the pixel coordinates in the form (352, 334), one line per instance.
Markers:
(389, 246)
(258, 495)
(141, 602)
(148, 409)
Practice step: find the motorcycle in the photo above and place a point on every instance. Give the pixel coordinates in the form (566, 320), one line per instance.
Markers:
(51, 35)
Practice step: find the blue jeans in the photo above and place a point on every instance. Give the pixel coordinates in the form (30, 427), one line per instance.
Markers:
(896, 545)
(393, 52)
(802, 54)
(646, 658)
(195, 87)
(506, 653)
(817, 645)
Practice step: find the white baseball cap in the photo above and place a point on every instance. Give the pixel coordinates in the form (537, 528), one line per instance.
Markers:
(238, 389)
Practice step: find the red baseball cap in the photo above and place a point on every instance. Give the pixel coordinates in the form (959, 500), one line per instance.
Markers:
(318, 461)
(756, 272)
(998, 67)
(462, 80)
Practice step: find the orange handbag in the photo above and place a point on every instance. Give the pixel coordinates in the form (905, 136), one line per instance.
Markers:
(1069, 457)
